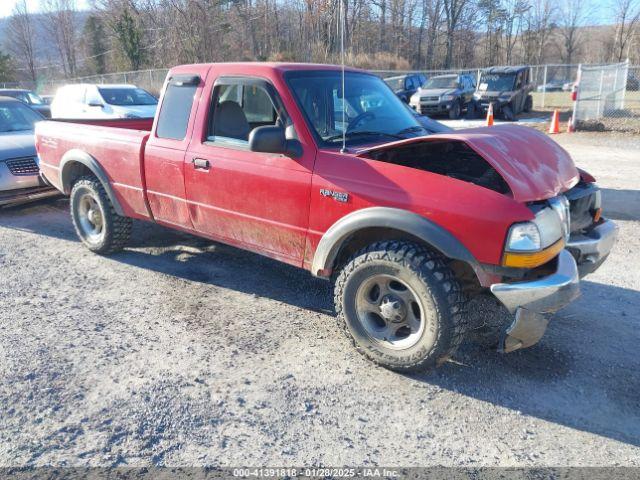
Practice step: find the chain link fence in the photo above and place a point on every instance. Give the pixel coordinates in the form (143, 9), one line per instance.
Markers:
(608, 98)
(615, 107)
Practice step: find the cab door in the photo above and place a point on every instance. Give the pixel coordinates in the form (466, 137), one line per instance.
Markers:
(259, 201)
(165, 151)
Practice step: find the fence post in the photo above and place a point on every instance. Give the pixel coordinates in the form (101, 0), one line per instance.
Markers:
(576, 86)
(600, 103)
(544, 85)
(124, 75)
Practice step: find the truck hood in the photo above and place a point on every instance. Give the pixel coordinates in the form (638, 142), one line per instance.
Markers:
(534, 166)
(17, 144)
(432, 92)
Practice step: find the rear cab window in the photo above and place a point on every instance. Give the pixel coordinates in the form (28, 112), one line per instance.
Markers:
(175, 110)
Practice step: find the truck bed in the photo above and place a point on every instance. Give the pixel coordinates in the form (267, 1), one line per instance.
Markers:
(118, 144)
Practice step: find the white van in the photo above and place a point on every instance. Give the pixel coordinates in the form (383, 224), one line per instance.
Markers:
(103, 101)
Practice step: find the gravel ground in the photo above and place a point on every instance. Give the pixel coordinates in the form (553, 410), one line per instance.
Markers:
(183, 352)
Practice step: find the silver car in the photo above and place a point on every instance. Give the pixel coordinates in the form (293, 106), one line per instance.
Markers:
(19, 173)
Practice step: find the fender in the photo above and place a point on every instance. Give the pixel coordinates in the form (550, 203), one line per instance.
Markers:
(67, 170)
(386, 217)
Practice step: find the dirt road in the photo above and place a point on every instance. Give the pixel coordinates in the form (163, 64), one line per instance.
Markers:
(183, 352)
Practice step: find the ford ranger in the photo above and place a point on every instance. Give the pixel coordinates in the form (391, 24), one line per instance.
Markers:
(338, 177)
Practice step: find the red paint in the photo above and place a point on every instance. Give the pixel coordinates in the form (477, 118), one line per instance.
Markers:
(271, 204)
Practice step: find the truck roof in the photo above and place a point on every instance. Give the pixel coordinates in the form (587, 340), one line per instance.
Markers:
(277, 66)
(514, 69)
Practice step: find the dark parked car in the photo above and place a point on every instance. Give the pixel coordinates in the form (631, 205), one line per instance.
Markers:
(404, 86)
(28, 97)
(445, 94)
(507, 88)
(551, 87)
(19, 173)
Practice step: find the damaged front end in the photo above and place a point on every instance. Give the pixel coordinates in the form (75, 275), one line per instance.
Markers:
(543, 257)
(586, 241)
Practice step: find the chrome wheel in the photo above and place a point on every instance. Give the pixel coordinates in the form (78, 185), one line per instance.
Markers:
(389, 312)
(91, 218)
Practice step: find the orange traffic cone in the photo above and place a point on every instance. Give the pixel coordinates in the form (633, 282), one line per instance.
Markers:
(490, 115)
(570, 127)
(555, 122)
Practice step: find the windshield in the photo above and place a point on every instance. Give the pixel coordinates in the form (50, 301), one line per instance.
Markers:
(442, 82)
(35, 99)
(15, 117)
(372, 112)
(127, 96)
(496, 82)
(396, 83)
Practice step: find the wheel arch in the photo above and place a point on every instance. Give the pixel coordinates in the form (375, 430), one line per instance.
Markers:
(368, 225)
(77, 163)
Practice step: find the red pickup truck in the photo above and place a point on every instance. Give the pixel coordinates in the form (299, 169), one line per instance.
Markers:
(409, 224)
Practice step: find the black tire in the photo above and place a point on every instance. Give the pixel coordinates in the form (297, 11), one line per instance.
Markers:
(528, 104)
(455, 110)
(114, 231)
(507, 113)
(436, 291)
(472, 111)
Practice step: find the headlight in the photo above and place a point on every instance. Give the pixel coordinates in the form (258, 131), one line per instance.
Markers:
(524, 237)
(447, 98)
(415, 99)
(524, 247)
(505, 98)
(477, 96)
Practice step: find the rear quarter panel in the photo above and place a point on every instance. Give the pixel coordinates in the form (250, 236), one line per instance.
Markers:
(118, 150)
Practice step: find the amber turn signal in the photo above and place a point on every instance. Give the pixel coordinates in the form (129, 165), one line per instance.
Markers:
(597, 215)
(532, 260)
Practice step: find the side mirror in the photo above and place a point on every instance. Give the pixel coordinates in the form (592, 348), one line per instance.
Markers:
(272, 139)
(96, 103)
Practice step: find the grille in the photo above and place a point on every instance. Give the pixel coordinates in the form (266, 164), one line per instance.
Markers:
(430, 99)
(22, 166)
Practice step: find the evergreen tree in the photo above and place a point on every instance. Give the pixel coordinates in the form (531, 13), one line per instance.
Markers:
(96, 44)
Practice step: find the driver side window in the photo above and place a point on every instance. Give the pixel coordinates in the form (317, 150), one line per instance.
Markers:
(238, 108)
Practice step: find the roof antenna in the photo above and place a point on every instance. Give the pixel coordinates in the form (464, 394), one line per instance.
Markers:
(344, 103)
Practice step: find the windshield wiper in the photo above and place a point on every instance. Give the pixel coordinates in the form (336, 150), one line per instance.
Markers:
(411, 130)
(364, 133)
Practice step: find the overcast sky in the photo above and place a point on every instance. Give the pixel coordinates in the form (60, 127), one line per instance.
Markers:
(6, 6)
(602, 14)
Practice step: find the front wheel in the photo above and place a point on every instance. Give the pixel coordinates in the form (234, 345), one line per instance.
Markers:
(528, 104)
(96, 222)
(455, 110)
(401, 306)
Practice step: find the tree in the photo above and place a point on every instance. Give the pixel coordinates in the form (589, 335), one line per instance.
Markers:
(21, 39)
(6, 68)
(572, 16)
(59, 21)
(130, 37)
(95, 41)
(627, 20)
(453, 14)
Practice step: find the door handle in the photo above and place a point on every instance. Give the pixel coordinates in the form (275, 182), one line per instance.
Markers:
(201, 163)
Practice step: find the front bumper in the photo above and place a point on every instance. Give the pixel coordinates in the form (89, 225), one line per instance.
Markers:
(435, 108)
(592, 248)
(531, 300)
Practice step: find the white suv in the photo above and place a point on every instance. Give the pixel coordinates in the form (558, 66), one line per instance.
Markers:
(103, 101)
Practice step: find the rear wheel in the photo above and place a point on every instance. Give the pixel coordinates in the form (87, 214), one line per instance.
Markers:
(95, 220)
(528, 104)
(401, 305)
